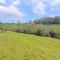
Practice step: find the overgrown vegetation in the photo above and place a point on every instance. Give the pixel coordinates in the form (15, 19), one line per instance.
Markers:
(48, 20)
(18, 41)
(38, 27)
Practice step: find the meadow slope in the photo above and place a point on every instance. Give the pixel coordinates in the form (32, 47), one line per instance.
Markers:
(18, 46)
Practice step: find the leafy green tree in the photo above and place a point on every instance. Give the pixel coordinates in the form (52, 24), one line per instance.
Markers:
(57, 20)
(2, 27)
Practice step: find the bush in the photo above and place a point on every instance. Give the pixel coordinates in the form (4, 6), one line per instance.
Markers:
(57, 36)
(46, 34)
(39, 32)
(52, 34)
(2, 27)
(17, 30)
(24, 31)
(28, 31)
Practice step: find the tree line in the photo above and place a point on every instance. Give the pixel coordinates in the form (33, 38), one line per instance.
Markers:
(48, 20)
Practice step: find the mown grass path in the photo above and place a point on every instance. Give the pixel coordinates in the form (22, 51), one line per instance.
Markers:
(18, 46)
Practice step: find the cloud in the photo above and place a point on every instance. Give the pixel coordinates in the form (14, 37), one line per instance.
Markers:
(2, 2)
(16, 2)
(54, 2)
(11, 9)
(39, 8)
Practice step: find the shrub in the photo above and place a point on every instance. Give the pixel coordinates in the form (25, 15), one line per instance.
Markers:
(28, 31)
(39, 32)
(52, 34)
(57, 36)
(2, 27)
(46, 34)
(17, 30)
(24, 31)
(12, 29)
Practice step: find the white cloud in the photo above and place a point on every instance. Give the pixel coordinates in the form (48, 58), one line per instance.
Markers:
(2, 2)
(12, 9)
(54, 2)
(38, 7)
(16, 2)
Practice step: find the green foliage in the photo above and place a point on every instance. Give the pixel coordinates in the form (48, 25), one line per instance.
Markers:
(57, 19)
(40, 27)
(2, 28)
(39, 32)
(37, 29)
(52, 34)
(48, 20)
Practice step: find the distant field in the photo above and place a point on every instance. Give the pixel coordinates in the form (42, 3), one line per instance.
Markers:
(48, 27)
(55, 27)
(17, 46)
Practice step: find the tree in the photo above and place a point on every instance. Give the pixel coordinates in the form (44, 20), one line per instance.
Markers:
(1, 26)
(57, 19)
(52, 34)
(39, 32)
(30, 22)
(17, 30)
(18, 22)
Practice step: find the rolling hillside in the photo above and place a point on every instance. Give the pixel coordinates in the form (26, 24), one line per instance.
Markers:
(18, 46)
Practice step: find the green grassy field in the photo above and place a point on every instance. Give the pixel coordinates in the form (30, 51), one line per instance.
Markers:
(18, 46)
(50, 27)
(46, 27)
(54, 27)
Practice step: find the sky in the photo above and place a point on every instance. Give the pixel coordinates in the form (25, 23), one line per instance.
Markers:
(27, 10)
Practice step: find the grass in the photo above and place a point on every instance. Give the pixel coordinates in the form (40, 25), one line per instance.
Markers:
(18, 46)
(50, 27)
(46, 27)
(54, 27)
